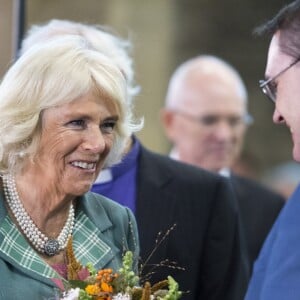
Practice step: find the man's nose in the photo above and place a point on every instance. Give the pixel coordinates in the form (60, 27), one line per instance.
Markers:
(277, 117)
(224, 130)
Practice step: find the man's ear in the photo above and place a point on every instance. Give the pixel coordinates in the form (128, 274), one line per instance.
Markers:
(167, 118)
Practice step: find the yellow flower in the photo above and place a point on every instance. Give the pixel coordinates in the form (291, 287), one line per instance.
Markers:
(92, 289)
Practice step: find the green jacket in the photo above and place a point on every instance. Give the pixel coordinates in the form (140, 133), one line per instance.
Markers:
(103, 231)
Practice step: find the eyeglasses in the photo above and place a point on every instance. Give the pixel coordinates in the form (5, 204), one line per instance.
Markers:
(269, 88)
(212, 120)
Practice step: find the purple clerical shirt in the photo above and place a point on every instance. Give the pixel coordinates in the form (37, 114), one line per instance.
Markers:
(119, 182)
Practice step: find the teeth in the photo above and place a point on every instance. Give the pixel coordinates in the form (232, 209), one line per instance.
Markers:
(84, 165)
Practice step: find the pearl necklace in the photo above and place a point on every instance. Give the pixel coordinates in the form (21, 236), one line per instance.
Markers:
(40, 241)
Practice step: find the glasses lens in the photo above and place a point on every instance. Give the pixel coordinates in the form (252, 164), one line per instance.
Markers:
(268, 89)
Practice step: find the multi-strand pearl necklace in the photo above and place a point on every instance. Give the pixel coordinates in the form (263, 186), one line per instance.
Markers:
(40, 241)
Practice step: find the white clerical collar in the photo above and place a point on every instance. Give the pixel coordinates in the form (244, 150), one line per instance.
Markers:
(174, 154)
(225, 172)
(104, 176)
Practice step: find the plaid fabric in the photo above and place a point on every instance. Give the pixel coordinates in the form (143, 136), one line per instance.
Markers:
(88, 247)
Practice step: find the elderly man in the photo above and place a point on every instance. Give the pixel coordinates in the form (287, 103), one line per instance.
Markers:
(206, 119)
(276, 274)
(206, 113)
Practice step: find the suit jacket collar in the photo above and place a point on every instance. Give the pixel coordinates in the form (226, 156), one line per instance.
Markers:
(154, 203)
(238, 186)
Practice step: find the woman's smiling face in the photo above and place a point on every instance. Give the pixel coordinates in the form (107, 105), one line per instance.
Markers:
(75, 141)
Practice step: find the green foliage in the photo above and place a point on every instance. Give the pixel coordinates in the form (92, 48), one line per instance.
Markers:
(173, 293)
(91, 269)
(127, 278)
(83, 295)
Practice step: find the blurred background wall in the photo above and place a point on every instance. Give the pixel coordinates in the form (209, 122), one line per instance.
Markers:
(164, 34)
(6, 28)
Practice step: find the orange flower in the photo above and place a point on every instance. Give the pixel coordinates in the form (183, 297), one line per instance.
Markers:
(105, 274)
(105, 287)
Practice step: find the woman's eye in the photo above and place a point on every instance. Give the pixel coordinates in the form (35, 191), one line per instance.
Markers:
(108, 126)
(77, 123)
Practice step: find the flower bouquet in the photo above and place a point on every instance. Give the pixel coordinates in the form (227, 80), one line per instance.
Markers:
(86, 283)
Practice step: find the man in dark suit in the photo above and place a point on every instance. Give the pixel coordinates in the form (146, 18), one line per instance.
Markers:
(206, 119)
(195, 211)
(205, 240)
(258, 208)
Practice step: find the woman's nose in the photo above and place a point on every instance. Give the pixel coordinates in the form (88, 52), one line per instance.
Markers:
(94, 141)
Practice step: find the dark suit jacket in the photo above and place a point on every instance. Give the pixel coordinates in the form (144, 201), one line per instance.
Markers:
(205, 241)
(259, 207)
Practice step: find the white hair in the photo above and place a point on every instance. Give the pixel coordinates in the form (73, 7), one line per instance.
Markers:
(205, 65)
(50, 74)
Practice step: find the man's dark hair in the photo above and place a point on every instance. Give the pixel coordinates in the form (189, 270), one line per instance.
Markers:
(287, 21)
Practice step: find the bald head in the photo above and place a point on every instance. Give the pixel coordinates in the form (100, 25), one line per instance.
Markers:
(205, 74)
(205, 115)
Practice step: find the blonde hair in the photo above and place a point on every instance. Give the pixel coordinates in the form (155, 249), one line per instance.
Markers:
(49, 74)
(99, 37)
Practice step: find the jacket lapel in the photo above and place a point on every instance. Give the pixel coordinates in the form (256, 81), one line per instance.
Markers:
(98, 248)
(155, 209)
(91, 244)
